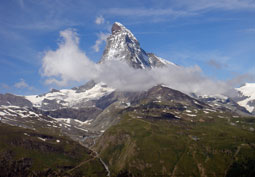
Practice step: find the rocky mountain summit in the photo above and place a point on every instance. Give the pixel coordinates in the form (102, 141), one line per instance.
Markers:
(122, 45)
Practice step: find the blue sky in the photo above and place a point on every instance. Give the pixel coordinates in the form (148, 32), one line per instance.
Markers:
(218, 36)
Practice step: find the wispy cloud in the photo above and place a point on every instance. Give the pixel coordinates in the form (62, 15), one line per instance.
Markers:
(240, 79)
(216, 64)
(200, 5)
(213, 57)
(249, 30)
(23, 85)
(183, 8)
(4, 86)
(101, 38)
(21, 2)
(99, 20)
(42, 15)
(46, 25)
(143, 12)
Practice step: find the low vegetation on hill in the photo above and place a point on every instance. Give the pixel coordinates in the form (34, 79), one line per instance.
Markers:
(26, 152)
(197, 142)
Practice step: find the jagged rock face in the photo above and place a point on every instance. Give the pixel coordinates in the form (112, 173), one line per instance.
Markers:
(81, 114)
(123, 46)
(252, 104)
(9, 99)
(85, 87)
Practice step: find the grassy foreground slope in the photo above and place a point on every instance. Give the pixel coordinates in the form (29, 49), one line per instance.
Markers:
(26, 152)
(204, 144)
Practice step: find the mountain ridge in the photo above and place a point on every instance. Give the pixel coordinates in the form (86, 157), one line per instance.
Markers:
(121, 45)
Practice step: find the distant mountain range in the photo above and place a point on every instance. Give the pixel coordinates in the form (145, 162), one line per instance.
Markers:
(88, 102)
(122, 45)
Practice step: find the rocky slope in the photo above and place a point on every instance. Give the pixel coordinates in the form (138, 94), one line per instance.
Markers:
(224, 103)
(10, 99)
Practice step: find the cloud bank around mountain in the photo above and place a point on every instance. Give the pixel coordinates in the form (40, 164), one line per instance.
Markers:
(69, 64)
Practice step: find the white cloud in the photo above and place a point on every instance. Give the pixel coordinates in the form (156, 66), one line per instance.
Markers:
(186, 79)
(99, 20)
(68, 63)
(21, 84)
(101, 38)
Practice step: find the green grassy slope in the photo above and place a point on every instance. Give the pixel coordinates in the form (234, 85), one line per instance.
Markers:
(25, 152)
(208, 144)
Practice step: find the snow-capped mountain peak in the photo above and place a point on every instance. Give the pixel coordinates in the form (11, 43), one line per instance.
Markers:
(123, 46)
(247, 96)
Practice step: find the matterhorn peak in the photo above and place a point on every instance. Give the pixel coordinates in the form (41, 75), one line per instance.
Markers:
(122, 45)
